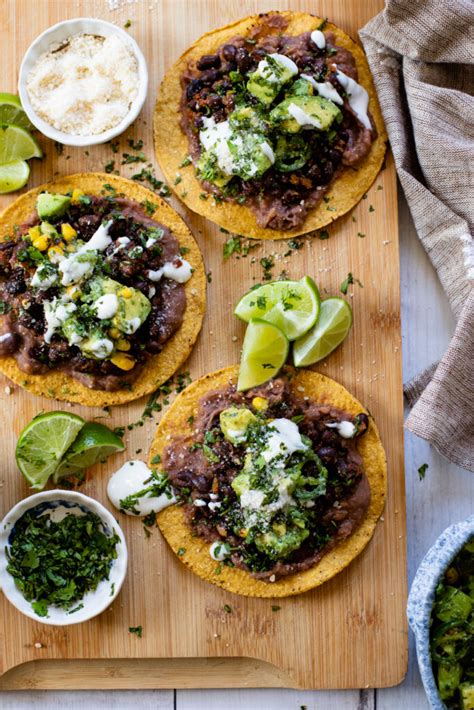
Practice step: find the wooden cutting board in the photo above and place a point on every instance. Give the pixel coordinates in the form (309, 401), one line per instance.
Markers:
(351, 632)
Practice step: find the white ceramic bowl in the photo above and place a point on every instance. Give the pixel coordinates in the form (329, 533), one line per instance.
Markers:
(421, 598)
(58, 33)
(74, 503)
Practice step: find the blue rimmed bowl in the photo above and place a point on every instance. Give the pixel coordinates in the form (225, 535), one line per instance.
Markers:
(421, 598)
(59, 503)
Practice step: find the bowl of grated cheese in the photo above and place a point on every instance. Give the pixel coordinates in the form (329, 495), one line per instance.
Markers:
(83, 82)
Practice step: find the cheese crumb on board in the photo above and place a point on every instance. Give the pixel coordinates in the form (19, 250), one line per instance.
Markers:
(86, 85)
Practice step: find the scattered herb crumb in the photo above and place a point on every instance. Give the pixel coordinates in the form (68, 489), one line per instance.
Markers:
(361, 234)
(227, 609)
(350, 279)
(275, 607)
(114, 145)
(323, 234)
(371, 208)
(137, 630)
(422, 471)
(110, 166)
(267, 263)
(236, 244)
(58, 147)
(127, 24)
(209, 277)
(181, 551)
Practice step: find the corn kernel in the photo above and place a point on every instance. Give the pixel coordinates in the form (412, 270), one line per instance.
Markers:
(260, 404)
(243, 533)
(42, 242)
(34, 232)
(123, 361)
(68, 232)
(76, 195)
(122, 344)
(73, 292)
(115, 333)
(125, 292)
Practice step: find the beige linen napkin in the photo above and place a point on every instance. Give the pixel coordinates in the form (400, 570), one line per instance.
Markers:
(421, 54)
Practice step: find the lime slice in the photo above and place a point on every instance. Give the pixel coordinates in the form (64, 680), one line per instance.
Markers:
(95, 442)
(332, 326)
(291, 305)
(17, 143)
(13, 176)
(264, 351)
(42, 445)
(11, 112)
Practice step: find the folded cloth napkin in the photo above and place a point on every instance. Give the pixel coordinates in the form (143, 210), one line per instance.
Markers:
(421, 56)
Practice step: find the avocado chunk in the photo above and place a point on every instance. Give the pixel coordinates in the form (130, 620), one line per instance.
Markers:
(280, 540)
(272, 73)
(49, 229)
(241, 483)
(97, 346)
(298, 112)
(133, 306)
(52, 205)
(208, 169)
(301, 87)
(247, 118)
(453, 604)
(466, 693)
(449, 677)
(235, 422)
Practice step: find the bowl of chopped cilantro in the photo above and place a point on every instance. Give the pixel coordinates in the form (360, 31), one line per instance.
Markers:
(441, 614)
(63, 557)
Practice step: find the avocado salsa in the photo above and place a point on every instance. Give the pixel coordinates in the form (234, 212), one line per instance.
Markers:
(452, 632)
(272, 119)
(91, 285)
(271, 480)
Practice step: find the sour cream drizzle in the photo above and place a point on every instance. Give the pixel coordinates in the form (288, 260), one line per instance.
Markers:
(318, 38)
(357, 96)
(131, 478)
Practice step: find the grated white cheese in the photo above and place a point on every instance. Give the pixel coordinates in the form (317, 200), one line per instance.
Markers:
(85, 87)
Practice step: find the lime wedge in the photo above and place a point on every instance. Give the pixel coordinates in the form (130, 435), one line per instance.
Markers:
(17, 143)
(95, 442)
(291, 305)
(42, 445)
(332, 326)
(264, 351)
(11, 111)
(13, 176)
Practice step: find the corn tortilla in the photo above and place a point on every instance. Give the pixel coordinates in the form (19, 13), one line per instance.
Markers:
(171, 143)
(171, 521)
(158, 368)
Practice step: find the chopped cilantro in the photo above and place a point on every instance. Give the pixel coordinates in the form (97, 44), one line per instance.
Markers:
(127, 24)
(275, 607)
(422, 471)
(361, 234)
(156, 459)
(267, 263)
(150, 207)
(110, 166)
(58, 562)
(323, 234)
(184, 163)
(181, 551)
(135, 146)
(350, 279)
(227, 609)
(137, 630)
(127, 158)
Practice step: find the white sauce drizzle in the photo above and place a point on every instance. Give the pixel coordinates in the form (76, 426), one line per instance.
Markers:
(106, 306)
(301, 117)
(5, 336)
(131, 478)
(318, 38)
(219, 551)
(357, 96)
(285, 440)
(178, 270)
(345, 429)
(324, 89)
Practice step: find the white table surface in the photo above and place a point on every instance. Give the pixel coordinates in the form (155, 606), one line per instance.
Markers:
(444, 496)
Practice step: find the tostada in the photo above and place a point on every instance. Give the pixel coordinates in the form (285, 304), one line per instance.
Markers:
(102, 290)
(270, 126)
(272, 491)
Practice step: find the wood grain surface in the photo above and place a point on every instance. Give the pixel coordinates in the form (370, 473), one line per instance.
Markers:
(350, 633)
